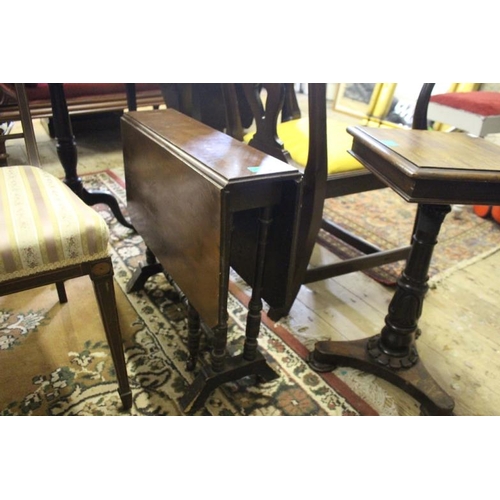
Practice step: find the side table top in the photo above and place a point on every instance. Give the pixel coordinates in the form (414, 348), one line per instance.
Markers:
(425, 166)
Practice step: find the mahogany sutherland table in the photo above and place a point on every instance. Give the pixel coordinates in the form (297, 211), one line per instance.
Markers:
(186, 184)
(435, 170)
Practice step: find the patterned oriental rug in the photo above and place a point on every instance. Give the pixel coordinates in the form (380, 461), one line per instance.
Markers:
(383, 218)
(54, 359)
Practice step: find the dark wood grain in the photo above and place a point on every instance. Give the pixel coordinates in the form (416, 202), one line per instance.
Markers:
(424, 166)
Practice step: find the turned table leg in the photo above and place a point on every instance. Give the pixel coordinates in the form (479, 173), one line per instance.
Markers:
(224, 368)
(392, 354)
(254, 317)
(68, 156)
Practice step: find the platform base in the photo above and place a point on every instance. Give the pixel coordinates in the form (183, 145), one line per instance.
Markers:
(416, 380)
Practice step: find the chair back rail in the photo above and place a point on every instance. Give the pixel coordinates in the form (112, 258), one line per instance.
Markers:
(420, 121)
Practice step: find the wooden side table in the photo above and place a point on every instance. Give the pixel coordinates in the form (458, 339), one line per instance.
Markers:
(186, 185)
(435, 170)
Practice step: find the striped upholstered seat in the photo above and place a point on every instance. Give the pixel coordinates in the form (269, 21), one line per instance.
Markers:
(44, 225)
(49, 235)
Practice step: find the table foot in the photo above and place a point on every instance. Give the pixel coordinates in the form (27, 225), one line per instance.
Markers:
(414, 380)
(276, 313)
(93, 197)
(142, 273)
(208, 380)
(68, 154)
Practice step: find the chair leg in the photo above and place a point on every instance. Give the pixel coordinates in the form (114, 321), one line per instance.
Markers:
(101, 274)
(61, 292)
(3, 153)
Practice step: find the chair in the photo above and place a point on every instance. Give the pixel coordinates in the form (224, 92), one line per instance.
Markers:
(49, 235)
(473, 111)
(329, 171)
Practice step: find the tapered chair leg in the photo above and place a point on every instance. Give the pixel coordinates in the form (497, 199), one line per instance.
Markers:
(101, 274)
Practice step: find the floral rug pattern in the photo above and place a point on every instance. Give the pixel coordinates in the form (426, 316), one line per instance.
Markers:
(155, 341)
(15, 327)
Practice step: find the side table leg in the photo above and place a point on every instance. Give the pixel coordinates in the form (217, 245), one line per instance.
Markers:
(392, 354)
(68, 156)
(255, 305)
(194, 335)
(218, 355)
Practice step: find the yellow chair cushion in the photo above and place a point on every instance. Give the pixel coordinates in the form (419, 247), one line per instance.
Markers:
(44, 225)
(295, 137)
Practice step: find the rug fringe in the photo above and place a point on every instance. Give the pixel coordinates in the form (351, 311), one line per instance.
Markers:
(438, 278)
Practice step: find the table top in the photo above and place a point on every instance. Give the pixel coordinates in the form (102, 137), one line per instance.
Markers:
(216, 155)
(425, 166)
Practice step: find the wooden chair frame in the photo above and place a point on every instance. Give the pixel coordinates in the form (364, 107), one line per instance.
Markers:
(100, 272)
